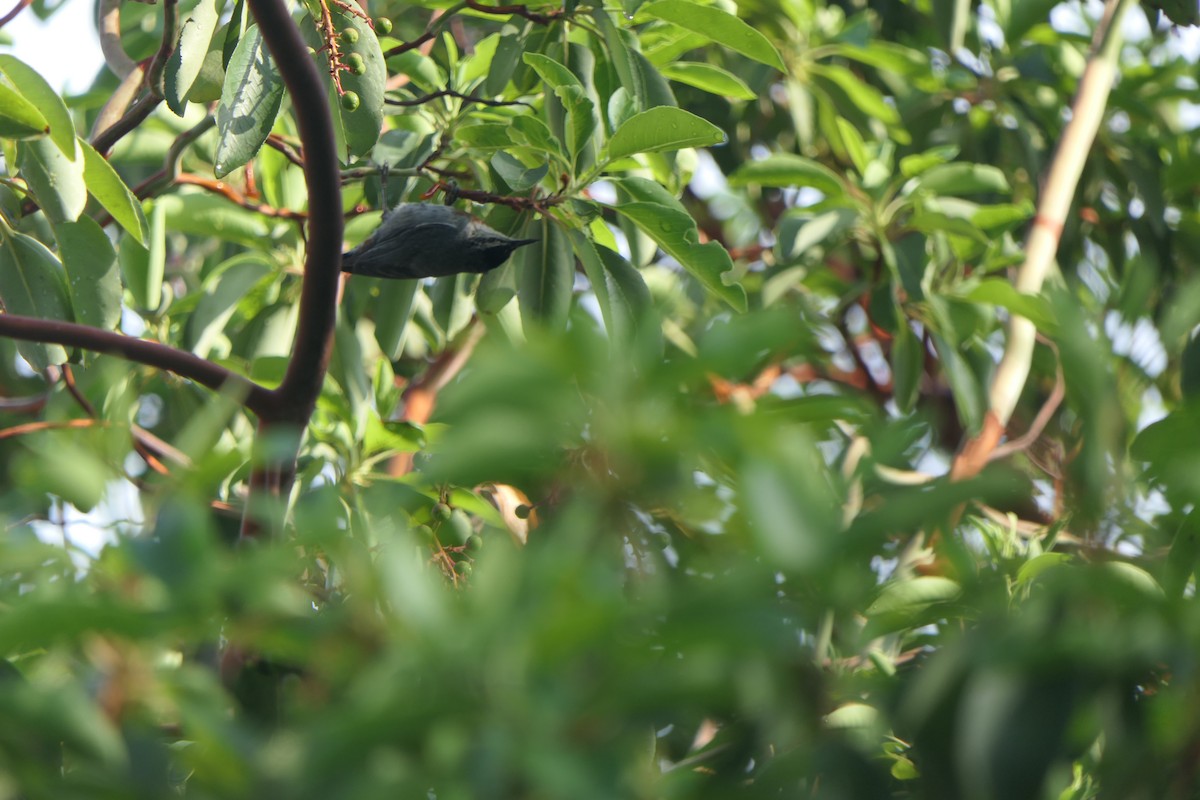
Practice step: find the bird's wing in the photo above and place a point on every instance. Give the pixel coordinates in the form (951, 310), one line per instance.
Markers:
(400, 253)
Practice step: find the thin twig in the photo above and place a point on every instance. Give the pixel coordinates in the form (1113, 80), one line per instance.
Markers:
(233, 195)
(1040, 422)
(451, 93)
(520, 11)
(17, 9)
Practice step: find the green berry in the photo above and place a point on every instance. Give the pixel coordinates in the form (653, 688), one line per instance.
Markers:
(424, 533)
(440, 512)
(350, 101)
(474, 542)
(350, 35)
(354, 62)
(463, 568)
(382, 25)
(457, 529)
(522, 511)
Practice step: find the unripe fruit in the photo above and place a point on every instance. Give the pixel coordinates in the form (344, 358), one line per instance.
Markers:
(440, 512)
(457, 529)
(474, 542)
(354, 62)
(424, 533)
(350, 35)
(463, 568)
(350, 101)
(382, 25)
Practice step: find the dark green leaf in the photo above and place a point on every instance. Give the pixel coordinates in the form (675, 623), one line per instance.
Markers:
(250, 101)
(93, 275)
(32, 284)
(519, 177)
(960, 178)
(545, 276)
(195, 37)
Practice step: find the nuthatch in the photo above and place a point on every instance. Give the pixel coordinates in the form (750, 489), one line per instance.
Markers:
(423, 240)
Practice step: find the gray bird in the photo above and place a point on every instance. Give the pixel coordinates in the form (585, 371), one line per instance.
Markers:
(423, 240)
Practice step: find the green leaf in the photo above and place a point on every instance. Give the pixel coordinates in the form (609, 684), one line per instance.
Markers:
(718, 26)
(675, 232)
(908, 364)
(962, 178)
(964, 385)
(195, 38)
(663, 128)
(47, 102)
(913, 594)
(861, 96)
(110, 191)
(786, 170)
(629, 72)
(1189, 369)
(496, 288)
(518, 176)
(999, 292)
(505, 60)
(362, 125)
(32, 285)
(151, 295)
(250, 101)
(225, 287)
(708, 78)
(581, 120)
(93, 274)
(203, 214)
(393, 310)
(546, 276)
(56, 180)
(620, 290)
(19, 118)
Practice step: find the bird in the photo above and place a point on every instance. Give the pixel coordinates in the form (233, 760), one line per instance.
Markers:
(425, 240)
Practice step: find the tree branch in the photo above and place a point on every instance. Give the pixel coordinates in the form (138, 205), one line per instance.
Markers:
(296, 396)
(182, 363)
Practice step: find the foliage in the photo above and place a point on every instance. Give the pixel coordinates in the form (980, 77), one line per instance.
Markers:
(662, 506)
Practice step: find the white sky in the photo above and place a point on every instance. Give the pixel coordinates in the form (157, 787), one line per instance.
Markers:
(65, 49)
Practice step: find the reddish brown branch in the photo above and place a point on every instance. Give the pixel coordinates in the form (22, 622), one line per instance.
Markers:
(421, 395)
(51, 425)
(233, 195)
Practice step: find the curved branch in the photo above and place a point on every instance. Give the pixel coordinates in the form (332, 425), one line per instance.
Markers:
(1041, 246)
(182, 363)
(296, 397)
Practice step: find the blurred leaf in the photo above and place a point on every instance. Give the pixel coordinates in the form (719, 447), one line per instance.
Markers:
(202, 214)
(622, 293)
(960, 178)
(517, 175)
(790, 171)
